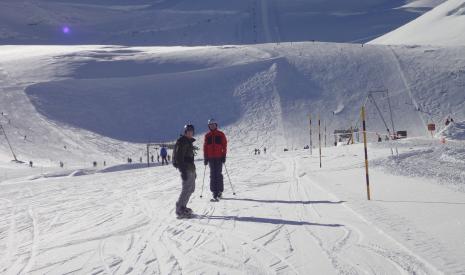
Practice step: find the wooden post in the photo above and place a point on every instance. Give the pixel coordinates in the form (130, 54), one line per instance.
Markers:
(148, 155)
(319, 137)
(366, 153)
(311, 139)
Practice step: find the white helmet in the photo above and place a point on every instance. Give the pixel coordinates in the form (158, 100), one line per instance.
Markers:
(212, 121)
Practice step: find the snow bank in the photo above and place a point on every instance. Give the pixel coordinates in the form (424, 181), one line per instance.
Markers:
(454, 131)
(430, 159)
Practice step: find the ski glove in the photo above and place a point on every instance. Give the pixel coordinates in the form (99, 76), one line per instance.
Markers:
(184, 175)
(223, 159)
(205, 161)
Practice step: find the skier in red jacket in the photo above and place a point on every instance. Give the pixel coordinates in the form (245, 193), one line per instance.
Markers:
(214, 152)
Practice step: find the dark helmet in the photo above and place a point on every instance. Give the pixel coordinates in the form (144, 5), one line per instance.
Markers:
(189, 127)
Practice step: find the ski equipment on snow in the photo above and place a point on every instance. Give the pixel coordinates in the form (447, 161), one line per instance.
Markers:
(229, 178)
(203, 181)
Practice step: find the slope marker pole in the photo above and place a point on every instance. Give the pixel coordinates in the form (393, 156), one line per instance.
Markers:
(203, 181)
(366, 152)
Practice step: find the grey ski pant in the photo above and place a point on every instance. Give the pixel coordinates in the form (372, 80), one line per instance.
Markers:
(188, 187)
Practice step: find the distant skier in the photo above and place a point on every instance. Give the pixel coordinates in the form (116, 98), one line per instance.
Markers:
(164, 155)
(264, 150)
(214, 152)
(183, 160)
(449, 120)
(30, 163)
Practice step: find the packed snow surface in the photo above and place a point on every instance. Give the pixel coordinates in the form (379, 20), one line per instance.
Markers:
(289, 217)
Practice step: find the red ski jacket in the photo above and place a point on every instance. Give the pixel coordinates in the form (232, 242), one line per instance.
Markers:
(215, 145)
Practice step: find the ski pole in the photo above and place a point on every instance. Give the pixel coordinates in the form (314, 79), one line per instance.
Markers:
(227, 173)
(203, 181)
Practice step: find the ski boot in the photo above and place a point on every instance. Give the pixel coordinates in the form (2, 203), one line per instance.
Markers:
(184, 213)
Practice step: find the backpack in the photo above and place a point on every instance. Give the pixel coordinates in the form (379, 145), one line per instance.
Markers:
(175, 154)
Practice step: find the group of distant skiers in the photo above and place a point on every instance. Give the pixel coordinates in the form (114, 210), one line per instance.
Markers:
(258, 151)
(165, 157)
(214, 152)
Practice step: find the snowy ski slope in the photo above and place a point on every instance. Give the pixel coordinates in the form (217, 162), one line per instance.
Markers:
(99, 98)
(289, 217)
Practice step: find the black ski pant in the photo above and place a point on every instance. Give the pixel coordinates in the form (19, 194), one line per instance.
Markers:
(216, 176)
(164, 160)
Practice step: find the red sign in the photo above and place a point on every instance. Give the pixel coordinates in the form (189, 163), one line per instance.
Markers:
(431, 127)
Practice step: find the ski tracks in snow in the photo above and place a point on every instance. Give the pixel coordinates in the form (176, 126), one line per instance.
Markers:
(281, 222)
(362, 248)
(342, 238)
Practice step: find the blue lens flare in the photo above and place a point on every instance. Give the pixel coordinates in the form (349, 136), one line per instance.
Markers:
(66, 30)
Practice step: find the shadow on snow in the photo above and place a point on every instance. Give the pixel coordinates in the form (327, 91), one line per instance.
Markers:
(288, 202)
(265, 220)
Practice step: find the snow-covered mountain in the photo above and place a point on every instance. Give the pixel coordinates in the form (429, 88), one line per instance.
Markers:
(200, 22)
(442, 26)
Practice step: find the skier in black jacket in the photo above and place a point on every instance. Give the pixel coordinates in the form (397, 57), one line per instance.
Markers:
(183, 160)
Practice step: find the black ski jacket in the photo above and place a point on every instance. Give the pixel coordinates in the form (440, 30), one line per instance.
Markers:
(185, 154)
